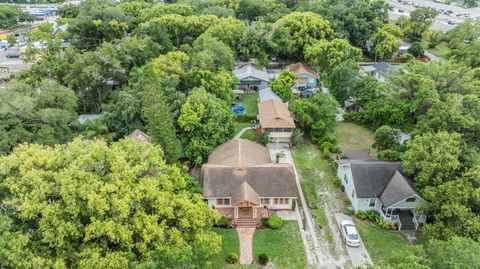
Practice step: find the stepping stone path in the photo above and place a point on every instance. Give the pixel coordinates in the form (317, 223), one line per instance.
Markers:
(245, 237)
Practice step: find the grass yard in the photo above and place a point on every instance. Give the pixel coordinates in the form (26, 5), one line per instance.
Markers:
(441, 50)
(351, 136)
(284, 247)
(229, 244)
(314, 171)
(240, 125)
(250, 135)
(250, 103)
(385, 247)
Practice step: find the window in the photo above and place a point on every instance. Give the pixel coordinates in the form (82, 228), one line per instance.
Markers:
(265, 201)
(281, 201)
(345, 178)
(411, 200)
(353, 193)
(223, 201)
(372, 201)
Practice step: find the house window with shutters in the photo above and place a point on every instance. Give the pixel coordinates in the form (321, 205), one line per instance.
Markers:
(265, 201)
(372, 202)
(345, 178)
(353, 193)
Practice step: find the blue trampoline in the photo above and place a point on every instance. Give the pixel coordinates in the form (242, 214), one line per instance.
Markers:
(238, 110)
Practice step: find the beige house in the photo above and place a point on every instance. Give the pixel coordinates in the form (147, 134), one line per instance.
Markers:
(275, 118)
(241, 182)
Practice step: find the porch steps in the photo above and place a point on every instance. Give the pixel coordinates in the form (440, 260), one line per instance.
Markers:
(246, 223)
(407, 222)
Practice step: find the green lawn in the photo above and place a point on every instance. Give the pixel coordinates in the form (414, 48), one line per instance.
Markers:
(250, 103)
(385, 247)
(250, 135)
(441, 50)
(353, 137)
(314, 171)
(240, 125)
(284, 247)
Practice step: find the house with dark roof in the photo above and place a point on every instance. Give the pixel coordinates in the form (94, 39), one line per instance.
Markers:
(379, 70)
(251, 77)
(383, 187)
(306, 77)
(241, 182)
(275, 118)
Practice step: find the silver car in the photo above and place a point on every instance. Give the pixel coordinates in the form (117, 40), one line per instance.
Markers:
(350, 234)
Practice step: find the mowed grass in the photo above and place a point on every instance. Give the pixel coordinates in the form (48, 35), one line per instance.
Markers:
(284, 247)
(250, 101)
(351, 136)
(385, 247)
(250, 135)
(229, 244)
(240, 125)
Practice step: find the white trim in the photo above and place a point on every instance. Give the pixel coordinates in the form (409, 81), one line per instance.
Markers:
(403, 200)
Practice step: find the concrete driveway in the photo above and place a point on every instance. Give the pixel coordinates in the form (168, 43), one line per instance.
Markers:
(359, 255)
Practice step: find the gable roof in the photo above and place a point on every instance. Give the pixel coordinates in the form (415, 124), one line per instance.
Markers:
(274, 114)
(398, 189)
(301, 68)
(245, 192)
(240, 161)
(382, 67)
(268, 180)
(140, 136)
(267, 94)
(251, 70)
(238, 153)
(370, 177)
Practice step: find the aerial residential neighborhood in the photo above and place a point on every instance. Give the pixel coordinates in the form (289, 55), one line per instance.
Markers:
(240, 134)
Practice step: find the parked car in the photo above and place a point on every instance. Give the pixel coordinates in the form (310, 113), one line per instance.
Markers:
(350, 234)
(451, 22)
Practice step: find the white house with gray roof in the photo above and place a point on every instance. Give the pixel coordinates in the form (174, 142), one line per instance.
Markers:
(381, 186)
(251, 77)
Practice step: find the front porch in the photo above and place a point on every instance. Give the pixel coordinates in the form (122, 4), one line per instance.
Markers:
(404, 218)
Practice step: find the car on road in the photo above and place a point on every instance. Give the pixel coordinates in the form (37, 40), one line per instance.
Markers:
(350, 234)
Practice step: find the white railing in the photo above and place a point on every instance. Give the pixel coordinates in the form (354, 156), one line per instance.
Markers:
(396, 219)
(417, 219)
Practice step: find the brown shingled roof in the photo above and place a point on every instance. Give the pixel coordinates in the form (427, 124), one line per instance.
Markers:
(242, 169)
(300, 68)
(239, 152)
(274, 114)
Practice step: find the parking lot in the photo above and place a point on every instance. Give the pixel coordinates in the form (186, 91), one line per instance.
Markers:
(449, 16)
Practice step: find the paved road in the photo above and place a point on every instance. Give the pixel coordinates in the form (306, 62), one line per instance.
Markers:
(359, 255)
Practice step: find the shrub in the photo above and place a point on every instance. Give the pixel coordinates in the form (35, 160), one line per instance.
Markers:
(275, 222)
(294, 204)
(246, 118)
(416, 50)
(232, 258)
(263, 259)
(373, 215)
(361, 215)
(406, 57)
(264, 138)
(222, 222)
(389, 155)
(385, 224)
(337, 183)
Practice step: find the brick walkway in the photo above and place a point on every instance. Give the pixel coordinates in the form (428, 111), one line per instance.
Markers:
(245, 237)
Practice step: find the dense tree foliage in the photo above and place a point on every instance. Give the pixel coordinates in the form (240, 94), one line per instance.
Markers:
(328, 54)
(90, 205)
(354, 20)
(464, 43)
(294, 32)
(205, 121)
(385, 41)
(283, 84)
(315, 115)
(11, 15)
(43, 114)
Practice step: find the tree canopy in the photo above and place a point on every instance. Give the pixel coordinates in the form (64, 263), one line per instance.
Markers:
(87, 204)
